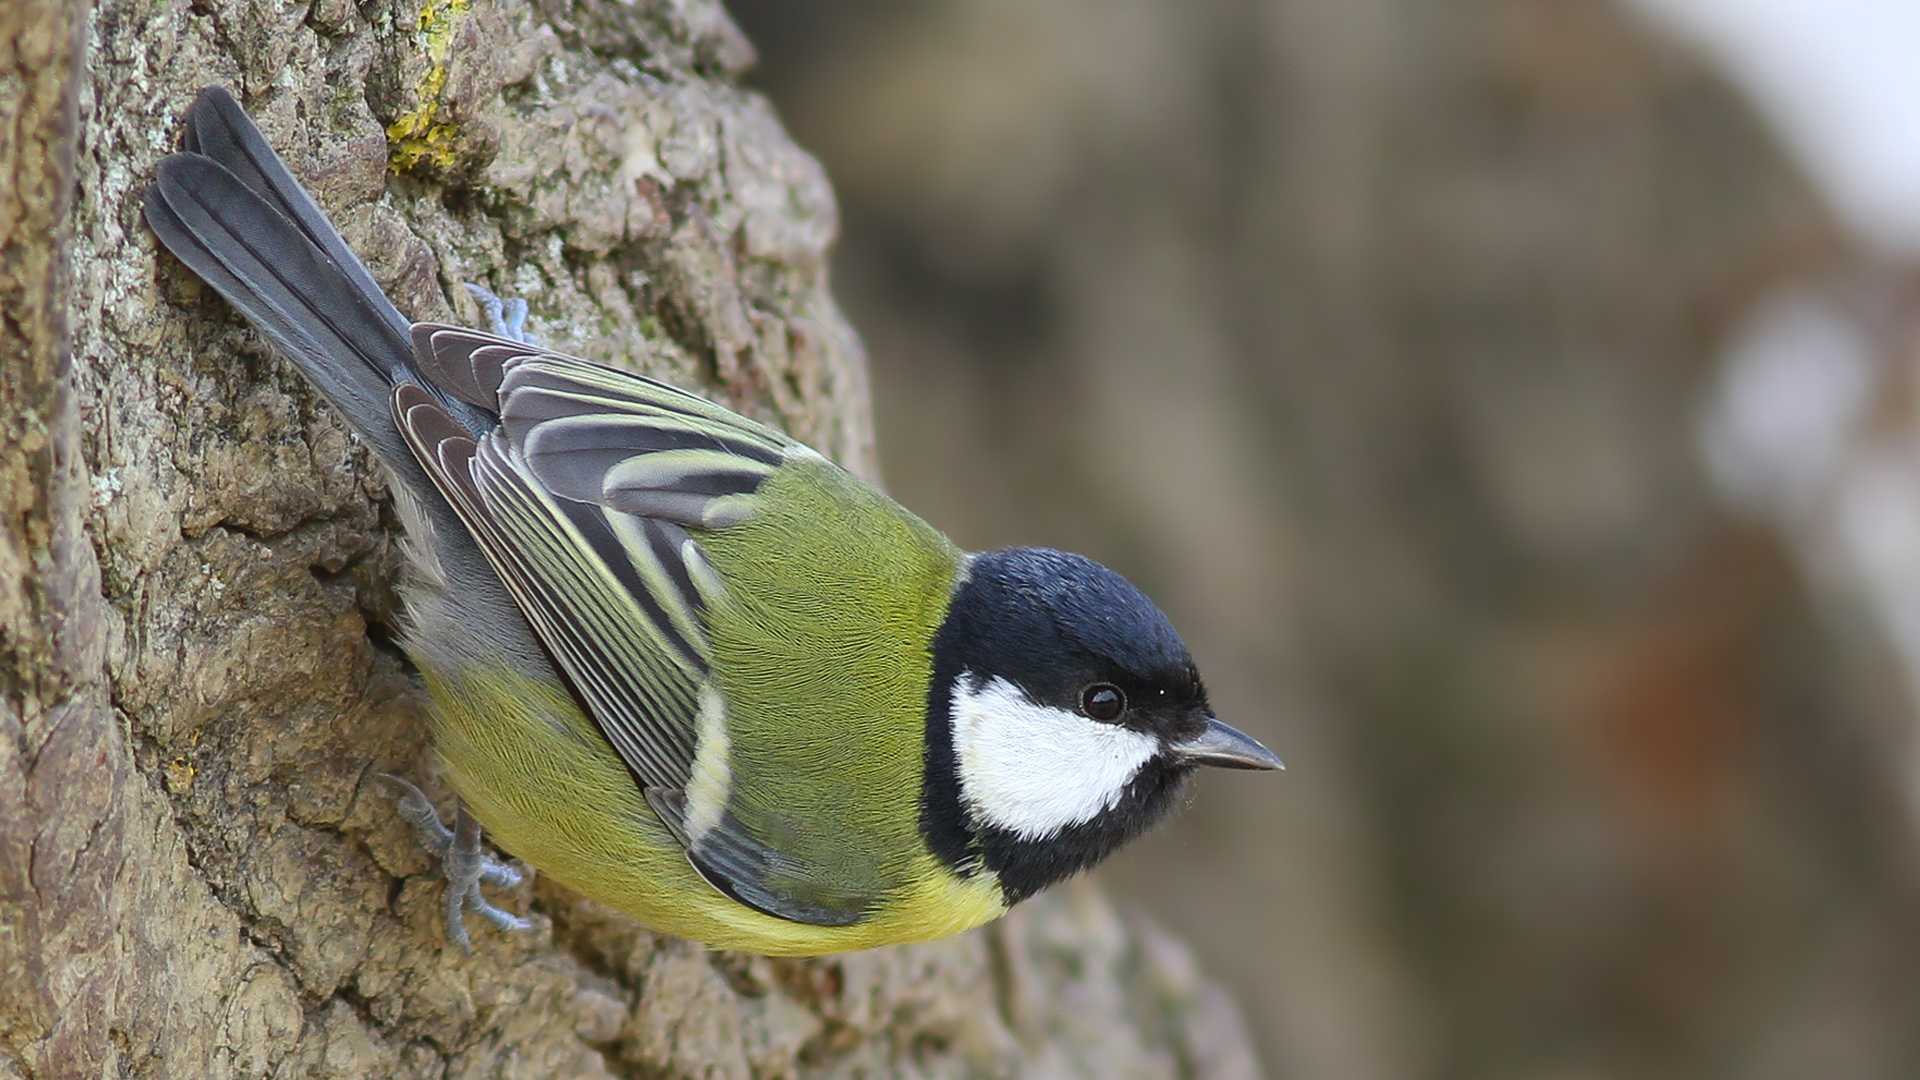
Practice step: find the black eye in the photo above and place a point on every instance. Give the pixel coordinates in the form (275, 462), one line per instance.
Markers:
(1103, 701)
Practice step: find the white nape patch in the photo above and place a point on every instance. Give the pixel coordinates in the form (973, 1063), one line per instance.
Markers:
(1034, 770)
(711, 783)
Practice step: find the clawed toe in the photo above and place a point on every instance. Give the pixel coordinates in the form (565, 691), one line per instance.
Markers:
(463, 862)
(506, 318)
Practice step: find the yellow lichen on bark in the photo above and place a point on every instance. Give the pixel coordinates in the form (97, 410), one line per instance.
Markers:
(419, 135)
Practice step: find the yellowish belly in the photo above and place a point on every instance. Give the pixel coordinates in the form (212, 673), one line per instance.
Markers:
(548, 789)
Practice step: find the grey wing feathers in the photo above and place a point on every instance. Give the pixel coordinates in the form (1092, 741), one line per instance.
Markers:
(605, 437)
(639, 677)
(464, 363)
(760, 876)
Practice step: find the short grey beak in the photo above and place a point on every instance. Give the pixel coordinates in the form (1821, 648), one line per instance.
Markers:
(1229, 749)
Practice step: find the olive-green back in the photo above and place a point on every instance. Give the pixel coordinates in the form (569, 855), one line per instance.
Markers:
(822, 653)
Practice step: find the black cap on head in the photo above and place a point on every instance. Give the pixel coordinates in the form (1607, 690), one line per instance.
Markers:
(1076, 637)
(1052, 623)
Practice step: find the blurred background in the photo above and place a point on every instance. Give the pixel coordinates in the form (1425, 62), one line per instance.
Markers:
(1513, 403)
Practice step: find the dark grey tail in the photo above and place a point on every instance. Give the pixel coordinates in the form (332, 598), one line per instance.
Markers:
(227, 207)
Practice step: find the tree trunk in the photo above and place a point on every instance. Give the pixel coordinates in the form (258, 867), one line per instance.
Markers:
(200, 873)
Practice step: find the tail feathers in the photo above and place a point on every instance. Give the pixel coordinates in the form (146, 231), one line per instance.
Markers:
(252, 255)
(229, 209)
(218, 128)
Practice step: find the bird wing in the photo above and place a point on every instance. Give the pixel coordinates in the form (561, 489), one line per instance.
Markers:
(598, 599)
(585, 499)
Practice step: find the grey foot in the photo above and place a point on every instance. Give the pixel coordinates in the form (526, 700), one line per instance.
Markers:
(464, 864)
(505, 318)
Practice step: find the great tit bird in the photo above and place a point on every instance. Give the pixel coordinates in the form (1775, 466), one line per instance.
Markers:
(684, 664)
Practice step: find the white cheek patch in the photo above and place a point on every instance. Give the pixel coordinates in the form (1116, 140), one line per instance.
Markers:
(1034, 770)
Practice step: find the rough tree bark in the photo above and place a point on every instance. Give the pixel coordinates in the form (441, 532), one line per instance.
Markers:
(199, 874)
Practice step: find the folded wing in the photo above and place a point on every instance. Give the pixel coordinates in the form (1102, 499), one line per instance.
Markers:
(587, 500)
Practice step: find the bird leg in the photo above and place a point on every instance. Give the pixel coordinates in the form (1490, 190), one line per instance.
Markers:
(466, 867)
(505, 318)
